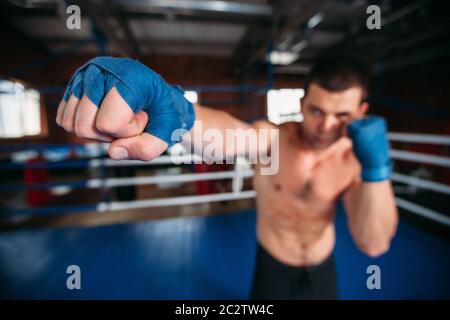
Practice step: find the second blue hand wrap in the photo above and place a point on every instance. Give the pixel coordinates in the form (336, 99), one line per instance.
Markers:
(371, 147)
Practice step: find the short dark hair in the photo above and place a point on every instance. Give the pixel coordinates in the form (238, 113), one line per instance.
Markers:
(338, 74)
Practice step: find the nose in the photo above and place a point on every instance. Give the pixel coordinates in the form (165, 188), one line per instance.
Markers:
(329, 123)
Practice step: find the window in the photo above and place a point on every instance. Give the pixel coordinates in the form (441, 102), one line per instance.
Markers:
(283, 105)
(191, 96)
(20, 108)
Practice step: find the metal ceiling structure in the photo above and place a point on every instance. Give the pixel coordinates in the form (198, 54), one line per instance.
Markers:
(244, 30)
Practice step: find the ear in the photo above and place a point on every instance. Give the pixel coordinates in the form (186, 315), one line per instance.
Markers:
(303, 99)
(302, 103)
(362, 109)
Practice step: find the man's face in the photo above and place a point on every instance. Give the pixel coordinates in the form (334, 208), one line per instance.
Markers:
(326, 114)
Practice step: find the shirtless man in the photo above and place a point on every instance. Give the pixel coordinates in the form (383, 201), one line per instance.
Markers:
(335, 152)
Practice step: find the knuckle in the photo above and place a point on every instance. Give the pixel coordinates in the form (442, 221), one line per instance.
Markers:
(67, 125)
(82, 130)
(106, 126)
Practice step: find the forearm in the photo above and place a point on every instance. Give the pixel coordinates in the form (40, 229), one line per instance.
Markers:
(210, 130)
(217, 119)
(373, 216)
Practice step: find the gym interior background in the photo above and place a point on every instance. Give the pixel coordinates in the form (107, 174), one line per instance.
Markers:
(230, 55)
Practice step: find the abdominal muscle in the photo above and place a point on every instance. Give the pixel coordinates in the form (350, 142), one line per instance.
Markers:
(296, 239)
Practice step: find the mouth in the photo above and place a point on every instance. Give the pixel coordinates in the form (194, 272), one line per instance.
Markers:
(321, 140)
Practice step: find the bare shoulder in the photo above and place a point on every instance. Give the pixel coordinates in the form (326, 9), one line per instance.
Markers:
(284, 127)
(289, 129)
(265, 141)
(264, 124)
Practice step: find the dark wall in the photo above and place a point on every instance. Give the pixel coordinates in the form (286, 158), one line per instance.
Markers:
(416, 99)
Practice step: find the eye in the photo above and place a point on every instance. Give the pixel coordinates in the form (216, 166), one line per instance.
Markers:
(343, 116)
(316, 112)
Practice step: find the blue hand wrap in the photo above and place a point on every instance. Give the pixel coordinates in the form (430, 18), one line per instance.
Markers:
(371, 147)
(142, 88)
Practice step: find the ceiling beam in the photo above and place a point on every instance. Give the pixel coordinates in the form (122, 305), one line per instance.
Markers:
(289, 16)
(124, 24)
(102, 20)
(193, 6)
(364, 36)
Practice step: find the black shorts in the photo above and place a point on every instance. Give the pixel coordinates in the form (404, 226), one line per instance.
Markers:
(275, 280)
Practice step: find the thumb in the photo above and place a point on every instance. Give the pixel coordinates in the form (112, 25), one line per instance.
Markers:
(135, 126)
(141, 147)
(117, 119)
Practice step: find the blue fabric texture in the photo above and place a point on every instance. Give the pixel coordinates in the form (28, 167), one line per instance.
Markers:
(371, 147)
(142, 88)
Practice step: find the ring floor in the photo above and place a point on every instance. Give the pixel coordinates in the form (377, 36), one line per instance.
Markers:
(200, 258)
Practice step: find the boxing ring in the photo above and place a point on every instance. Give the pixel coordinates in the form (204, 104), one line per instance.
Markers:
(207, 257)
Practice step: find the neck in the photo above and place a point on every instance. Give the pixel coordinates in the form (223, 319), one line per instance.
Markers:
(307, 146)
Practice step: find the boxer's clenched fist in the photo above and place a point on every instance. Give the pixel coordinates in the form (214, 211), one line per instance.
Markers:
(371, 147)
(122, 101)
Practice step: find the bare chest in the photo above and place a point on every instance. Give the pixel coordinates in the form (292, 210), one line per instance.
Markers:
(310, 179)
